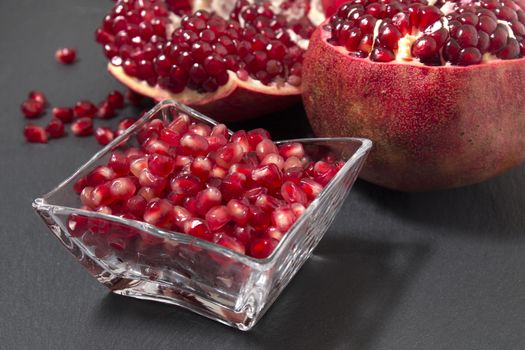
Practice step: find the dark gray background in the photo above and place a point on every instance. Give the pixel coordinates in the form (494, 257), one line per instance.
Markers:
(441, 270)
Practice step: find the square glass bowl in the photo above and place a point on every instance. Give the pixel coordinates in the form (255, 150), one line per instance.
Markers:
(175, 268)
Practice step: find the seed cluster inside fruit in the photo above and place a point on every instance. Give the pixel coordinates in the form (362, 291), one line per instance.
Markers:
(241, 191)
(453, 32)
(255, 42)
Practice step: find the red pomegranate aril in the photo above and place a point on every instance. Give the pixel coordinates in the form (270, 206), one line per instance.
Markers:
(66, 55)
(55, 128)
(228, 155)
(104, 135)
(105, 111)
(115, 99)
(255, 136)
(197, 227)
(292, 193)
(201, 167)
(153, 146)
(261, 248)
(208, 198)
(82, 127)
(100, 175)
(259, 219)
(232, 244)
(487, 24)
(79, 185)
(298, 209)
(32, 108)
(288, 150)
(119, 163)
(510, 51)
(380, 54)
(126, 123)
(194, 145)
(188, 185)
(38, 96)
(469, 56)
(123, 188)
(267, 175)
(273, 158)
(239, 212)
(498, 39)
(217, 217)
(138, 165)
(159, 213)
(267, 202)
(424, 47)
(156, 183)
(199, 129)
(136, 205)
(102, 195)
(64, 114)
(86, 197)
(181, 214)
(161, 165)
(283, 218)
(84, 109)
(311, 188)
(264, 148)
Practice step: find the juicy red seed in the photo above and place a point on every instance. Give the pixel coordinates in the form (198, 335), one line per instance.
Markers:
(156, 183)
(159, 213)
(104, 135)
(201, 167)
(197, 227)
(100, 175)
(469, 56)
(65, 114)
(239, 212)
(291, 150)
(123, 188)
(217, 217)
(498, 39)
(66, 55)
(255, 136)
(267, 202)
(136, 205)
(105, 111)
(292, 193)
(487, 24)
(55, 128)
(424, 47)
(261, 248)
(119, 163)
(228, 155)
(157, 146)
(427, 15)
(311, 188)
(380, 54)
(510, 51)
(32, 108)
(283, 219)
(38, 96)
(181, 214)
(208, 198)
(195, 145)
(467, 36)
(233, 185)
(80, 184)
(35, 134)
(232, 244)
(126, 123)
(84, 109)
(388, 36)
(188, 185)
(102, 195)
(264, 148)
(259, 219)
(82, 126)
(161, 165)
(451, 51)
(268, 176)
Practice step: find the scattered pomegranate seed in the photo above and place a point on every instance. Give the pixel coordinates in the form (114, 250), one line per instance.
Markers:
(104, 135)
(66, 55)
(262, 247)
(55, 128)
(65, 114)
(35, 134)
(84, 109)
(105, 110)
(82, 126)
(32, 108)
(38, 96)
(115, 99)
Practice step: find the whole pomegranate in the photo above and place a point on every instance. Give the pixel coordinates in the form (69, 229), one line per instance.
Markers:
(235, 60)
(438, 86)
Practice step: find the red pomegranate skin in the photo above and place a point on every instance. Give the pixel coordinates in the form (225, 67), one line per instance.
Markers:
(432, 127)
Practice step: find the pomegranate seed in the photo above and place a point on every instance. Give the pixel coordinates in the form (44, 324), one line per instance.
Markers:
(119, 163)
(66, 55)
(122, 188)
(255, 136)
(201, 167)
(82, 127)
(294, 149)
(208, 198)
(228, 155)
(239, 212)
(240, 138)
(80, 184)
(267, 175)
(138, 165)
(136, 205)
(105, 111)
(292, 163)
(283, 218)
(188, 185)
(232, 244)
(200, 129)
(274, 233)
(126, 123)
(181, 214)
(159, 213)
(217, 217)
(35, 134)
(311, 188)
(261, 248)
(292, 193)
(55, 128)
(38, 96)
(298, 209)
(86, 197)
(267, 202)
(259, 219)
(64, 114)
(157, 146)
(197, 227)
(77, 225)
(32, 109)
(233, 185)
(115, 99)
(264, 148)
(104, 135)
(161, 165)
(100, 175)
(84, 109)
(102, 195)
(156, 183)
(195, 145)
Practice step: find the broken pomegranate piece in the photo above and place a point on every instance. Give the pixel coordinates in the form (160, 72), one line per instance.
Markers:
(222, 63)
(436, 84)
(174, 185)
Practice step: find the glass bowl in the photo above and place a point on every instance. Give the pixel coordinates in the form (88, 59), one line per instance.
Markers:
(175, 268)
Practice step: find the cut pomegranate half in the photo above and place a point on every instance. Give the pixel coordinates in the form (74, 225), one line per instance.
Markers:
(437, 85)
(221, 66)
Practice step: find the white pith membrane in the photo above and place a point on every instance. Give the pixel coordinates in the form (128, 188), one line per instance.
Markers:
(403, 53)
(278, 86)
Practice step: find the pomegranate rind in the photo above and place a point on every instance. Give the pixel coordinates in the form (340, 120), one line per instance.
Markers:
(433, 127)
(235, 101)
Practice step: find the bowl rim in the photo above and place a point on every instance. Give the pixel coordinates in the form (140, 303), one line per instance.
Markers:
(40, 204)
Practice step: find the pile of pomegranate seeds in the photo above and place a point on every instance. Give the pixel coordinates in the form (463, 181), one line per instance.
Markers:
(66, 55)
(81, 117)
(453, 32)
(242, 192)
(254, 42)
